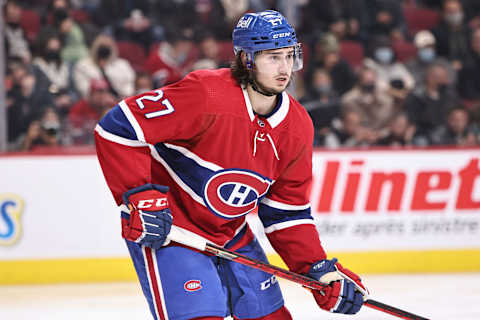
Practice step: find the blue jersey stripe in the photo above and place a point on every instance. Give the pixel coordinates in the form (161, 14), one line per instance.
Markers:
(116, 123)
(270, 216)
(188, 170)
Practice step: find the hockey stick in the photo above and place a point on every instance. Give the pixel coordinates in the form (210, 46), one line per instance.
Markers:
(198, 243)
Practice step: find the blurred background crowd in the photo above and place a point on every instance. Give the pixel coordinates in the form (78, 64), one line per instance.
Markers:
(376, 72)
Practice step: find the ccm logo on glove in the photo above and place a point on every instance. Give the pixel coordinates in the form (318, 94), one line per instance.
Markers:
(149, 221)
(159, 203)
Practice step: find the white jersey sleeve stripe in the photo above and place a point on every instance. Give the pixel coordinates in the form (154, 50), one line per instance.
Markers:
(131, 118)
(287, 224)
(117, 139)
(284, 206)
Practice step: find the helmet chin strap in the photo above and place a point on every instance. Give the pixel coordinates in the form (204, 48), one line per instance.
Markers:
(255, 88)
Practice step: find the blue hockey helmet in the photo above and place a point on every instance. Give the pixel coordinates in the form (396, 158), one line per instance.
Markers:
(265, 30)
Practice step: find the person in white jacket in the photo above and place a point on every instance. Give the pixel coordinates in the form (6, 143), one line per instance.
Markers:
(103, 63)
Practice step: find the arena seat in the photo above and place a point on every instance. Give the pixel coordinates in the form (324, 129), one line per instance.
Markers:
(30, 23)
(80, 16)
(226, 50)
(420, 18)
(133, 52)
(404, 50)
(353, 52)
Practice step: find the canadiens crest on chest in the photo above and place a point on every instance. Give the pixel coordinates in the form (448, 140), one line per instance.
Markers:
(232, 193)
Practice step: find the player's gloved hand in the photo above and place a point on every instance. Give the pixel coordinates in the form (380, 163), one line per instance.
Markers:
(345, 292)
(150, 220)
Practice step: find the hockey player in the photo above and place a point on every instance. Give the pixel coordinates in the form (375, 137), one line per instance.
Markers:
(199, 155)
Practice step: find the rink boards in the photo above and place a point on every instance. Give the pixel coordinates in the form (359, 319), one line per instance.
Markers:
(378, 211)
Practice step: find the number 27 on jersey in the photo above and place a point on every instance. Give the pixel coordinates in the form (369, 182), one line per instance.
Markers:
(166, 109)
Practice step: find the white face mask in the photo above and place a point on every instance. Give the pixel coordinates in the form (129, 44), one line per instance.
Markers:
(454, 19)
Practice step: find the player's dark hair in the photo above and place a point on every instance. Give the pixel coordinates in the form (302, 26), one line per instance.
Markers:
(239, 71)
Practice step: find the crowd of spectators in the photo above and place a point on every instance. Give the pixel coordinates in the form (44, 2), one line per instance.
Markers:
(376, 72)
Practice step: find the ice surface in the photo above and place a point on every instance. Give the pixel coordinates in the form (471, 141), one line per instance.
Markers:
(434, 296)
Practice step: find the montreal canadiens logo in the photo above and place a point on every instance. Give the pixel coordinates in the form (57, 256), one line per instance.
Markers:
(192, 285)
(234, 193)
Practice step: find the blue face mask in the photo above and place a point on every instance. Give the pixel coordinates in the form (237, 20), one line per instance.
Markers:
(426, 54)
(384, 55)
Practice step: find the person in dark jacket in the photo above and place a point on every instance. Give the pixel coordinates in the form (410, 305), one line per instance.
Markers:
(322, 103)
(427, 108)
(457, 131)
(469, 76)
(452, 34)
(326, 55)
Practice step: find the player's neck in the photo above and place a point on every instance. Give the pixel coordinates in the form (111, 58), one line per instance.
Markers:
(261, 104)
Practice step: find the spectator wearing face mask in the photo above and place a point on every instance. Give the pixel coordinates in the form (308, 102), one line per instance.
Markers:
(427, 107)
(382, 59)
(452, 34)
(469, 76)
(74, 46)
(42, 133)
(457, 131)
(104, 63)
(386, 19)
(426, 55)
(48, 63)
(322, 103)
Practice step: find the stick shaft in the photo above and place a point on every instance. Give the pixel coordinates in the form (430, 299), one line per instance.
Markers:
(402, 314)
(191, 240)
(301, 279)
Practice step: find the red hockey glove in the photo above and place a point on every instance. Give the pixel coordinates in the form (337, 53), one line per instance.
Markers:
(345, 293)
(149, 221)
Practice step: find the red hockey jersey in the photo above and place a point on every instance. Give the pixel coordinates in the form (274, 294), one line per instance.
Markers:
(201, 137)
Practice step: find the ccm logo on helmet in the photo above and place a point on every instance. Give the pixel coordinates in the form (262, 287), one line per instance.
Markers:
(192, 285)
(233, 193)
(281, 35)
(149, 203)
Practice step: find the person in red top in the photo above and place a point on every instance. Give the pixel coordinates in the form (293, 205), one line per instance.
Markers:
(84, 114)
(196, 157)
(172, 59)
